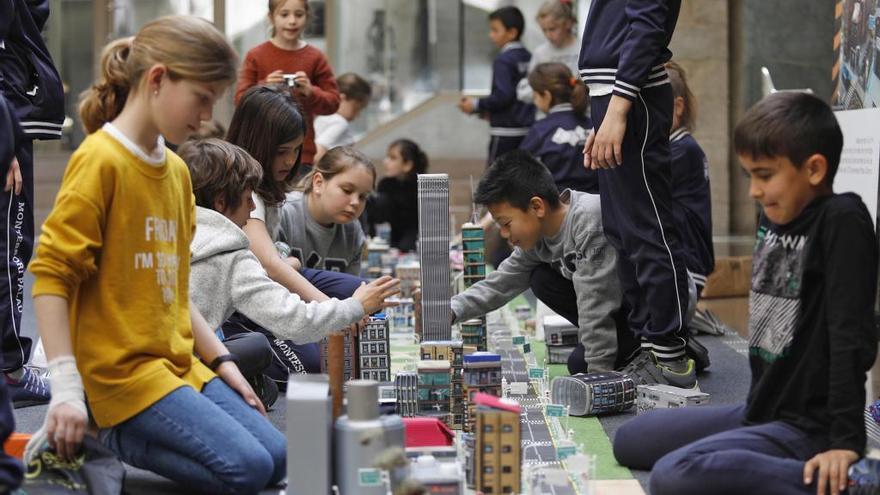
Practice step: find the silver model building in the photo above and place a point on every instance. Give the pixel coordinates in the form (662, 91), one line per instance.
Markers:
(434, 255)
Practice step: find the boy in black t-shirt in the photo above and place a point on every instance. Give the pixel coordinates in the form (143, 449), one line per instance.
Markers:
(811, 326)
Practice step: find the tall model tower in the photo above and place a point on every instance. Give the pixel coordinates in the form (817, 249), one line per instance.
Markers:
(434, 255)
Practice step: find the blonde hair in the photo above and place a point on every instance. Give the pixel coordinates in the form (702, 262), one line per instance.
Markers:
(334, 162)
(560, 10)
(678, 81)
(189, 47)
(273, 6)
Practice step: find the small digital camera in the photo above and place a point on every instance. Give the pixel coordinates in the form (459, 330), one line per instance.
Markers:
(290, 79)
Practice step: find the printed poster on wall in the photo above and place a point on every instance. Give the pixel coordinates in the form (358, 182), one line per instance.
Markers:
(859, 169)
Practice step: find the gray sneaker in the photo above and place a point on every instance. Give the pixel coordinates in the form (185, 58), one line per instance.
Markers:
(647, 370)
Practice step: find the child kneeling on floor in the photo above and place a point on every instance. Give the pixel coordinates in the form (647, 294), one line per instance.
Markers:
(559, 252)
(227, 277)
(811, 326)
(111, 279)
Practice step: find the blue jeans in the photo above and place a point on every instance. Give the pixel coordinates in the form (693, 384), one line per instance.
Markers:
(210, 442)
(698, 450)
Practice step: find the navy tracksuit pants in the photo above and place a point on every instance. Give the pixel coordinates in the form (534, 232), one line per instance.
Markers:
(698, 450)
(637, 217)
(17, 246)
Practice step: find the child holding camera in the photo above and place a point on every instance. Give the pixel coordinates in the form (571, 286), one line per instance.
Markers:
(287, 59)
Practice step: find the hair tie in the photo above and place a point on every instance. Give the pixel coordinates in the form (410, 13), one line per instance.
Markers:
(573, 81)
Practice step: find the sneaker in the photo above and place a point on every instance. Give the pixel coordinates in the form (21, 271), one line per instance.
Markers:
(31, 389)
(698, 352)
(647, 370)
(265, 388)
(864, 477)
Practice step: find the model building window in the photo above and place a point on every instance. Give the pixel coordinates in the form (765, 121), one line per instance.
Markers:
(488, 470)
(506, 449)
(372, 348)
(505, 469)
(488, 449)
(487, 428)
(365, 348)
(507, 489)
(381, 362)
(381, 347)
(506, 428)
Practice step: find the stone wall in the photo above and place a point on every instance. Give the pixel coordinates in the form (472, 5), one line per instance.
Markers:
(700, 45)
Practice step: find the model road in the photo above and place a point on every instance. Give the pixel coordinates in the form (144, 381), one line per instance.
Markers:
(537, 444)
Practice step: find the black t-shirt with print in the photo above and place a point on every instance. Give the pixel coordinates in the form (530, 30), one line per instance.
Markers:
(811, 320)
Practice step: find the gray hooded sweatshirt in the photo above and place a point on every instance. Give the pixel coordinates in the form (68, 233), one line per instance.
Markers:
(581, 254)
(225, 276)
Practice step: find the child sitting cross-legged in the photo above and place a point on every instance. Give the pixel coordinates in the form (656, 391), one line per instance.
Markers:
(811, 325)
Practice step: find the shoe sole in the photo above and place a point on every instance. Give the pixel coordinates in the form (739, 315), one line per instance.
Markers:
(28, 403)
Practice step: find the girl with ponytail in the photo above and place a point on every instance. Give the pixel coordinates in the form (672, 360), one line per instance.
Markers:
(112, 278)
(558, 139)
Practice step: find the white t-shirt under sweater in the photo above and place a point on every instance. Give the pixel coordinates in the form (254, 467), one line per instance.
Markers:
(271, 216)
(332, 131)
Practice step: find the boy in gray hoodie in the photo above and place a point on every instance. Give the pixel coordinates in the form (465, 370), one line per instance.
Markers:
(559, 252)
(225, 276)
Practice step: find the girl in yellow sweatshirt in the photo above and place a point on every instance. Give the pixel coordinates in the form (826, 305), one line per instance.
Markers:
(112, 275)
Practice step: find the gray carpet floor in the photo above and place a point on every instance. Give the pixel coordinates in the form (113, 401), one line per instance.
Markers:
(726, 381)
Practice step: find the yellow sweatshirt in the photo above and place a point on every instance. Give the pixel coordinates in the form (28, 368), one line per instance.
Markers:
(116, 246)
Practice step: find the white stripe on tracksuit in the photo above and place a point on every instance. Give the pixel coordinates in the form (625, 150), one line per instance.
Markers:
(662, 232)
(8, 260)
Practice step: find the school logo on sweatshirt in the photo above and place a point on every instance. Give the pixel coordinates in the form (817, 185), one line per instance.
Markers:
(774, 300)
(568, 264)
(575, 137)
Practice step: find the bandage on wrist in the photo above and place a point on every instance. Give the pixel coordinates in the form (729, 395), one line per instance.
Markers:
(66, 384)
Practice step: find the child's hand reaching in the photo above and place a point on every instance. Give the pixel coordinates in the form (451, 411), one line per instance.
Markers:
(372, 296)
(603, 148)
(833, 466)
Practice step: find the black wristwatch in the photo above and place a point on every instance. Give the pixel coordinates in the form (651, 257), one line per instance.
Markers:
(222, 359)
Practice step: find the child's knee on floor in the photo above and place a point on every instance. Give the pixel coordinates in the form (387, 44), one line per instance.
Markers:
(251, 471)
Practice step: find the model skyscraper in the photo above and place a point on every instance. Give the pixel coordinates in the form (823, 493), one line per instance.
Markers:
(434, 255)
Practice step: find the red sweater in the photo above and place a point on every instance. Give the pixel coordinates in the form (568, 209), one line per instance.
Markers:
(266, 58)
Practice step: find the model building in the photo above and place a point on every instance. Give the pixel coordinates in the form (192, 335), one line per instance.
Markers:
(497, 445)
(375, 359)
(434, 255)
